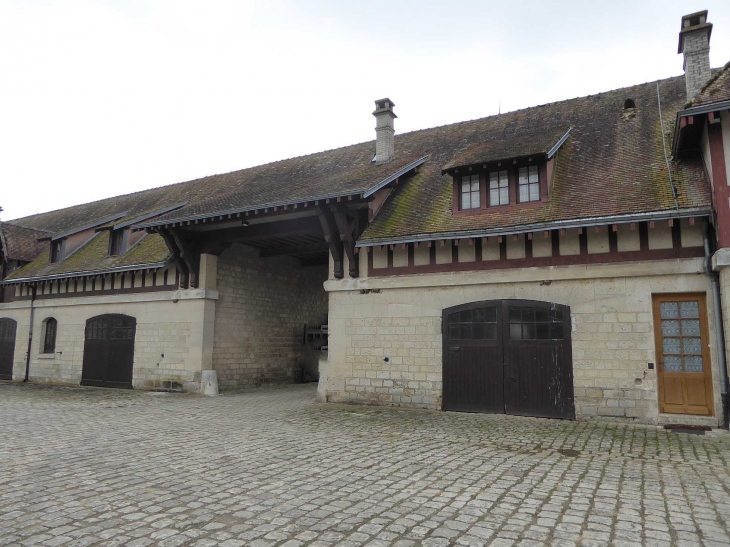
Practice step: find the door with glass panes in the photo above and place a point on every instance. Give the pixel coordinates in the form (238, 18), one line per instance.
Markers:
(508, 356)
(682, 346)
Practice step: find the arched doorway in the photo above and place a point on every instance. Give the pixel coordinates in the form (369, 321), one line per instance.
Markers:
(109, 351)
(508, 356)
(8, 328)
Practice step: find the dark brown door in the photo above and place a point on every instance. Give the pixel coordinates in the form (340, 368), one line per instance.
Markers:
(109, 351)
(682, 344)
(7, 348)
(508, 356)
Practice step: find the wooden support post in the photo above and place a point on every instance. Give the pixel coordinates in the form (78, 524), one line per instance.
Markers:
(332, 237)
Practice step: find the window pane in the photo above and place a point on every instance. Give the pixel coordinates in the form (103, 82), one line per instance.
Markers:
(556, 331)
(493, 181)
(494, 197)
(690, 309)
(453, 318)
(543, 331)
(673, 363)
(466, 332)
(693, 363)
(465, 316)
(490, 331)
(515, 315)
(491, 315)
(670, 327)
(523, 175)
(691, 345)
(466, 201)
(524, 194)
(528, 314)
(541, 314)
(465, 184)
(475, 199)
(515, 331)
(528, 331)
(478, 331)
(503, 196)
(669, 310)
(478, 315)
(534, 192)
(475, 184)
(533, 174)
(671, 345)
(454, 332)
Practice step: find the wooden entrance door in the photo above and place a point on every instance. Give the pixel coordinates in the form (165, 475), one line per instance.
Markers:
(7, 348)
(508, 356)
(682, 346)
(109, 351)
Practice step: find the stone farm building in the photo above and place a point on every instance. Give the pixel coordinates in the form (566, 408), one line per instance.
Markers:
(567, 260)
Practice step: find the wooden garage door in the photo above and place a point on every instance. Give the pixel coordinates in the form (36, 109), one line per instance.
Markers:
(109, 351)
(508, 356)
(682, 345)
(7, 348)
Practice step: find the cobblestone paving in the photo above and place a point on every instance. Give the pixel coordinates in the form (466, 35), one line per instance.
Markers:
(270, 467)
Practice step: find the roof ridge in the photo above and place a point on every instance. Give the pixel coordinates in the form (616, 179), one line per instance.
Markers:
(13, 223)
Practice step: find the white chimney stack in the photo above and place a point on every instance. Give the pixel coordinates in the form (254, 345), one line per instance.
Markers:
(694, 42)
(384, 130)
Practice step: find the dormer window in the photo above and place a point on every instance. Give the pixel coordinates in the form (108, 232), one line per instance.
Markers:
(116, 245)
(529, 184)
(56, 251)
(498, 188)
(470, 195)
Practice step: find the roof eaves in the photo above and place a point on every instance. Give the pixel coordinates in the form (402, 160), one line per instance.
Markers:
(86, 273)
(537, 227)
(558, 144)
(85, 227)
(695, 111)
(394, 176)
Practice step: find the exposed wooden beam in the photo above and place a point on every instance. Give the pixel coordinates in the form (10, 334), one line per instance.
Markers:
(295, 249)
(348, 241)
(332, 237)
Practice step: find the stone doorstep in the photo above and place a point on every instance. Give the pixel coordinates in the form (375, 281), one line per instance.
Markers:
(687, 419)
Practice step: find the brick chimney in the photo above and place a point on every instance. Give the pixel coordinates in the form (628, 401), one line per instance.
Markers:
(694, 42)
(384, 130)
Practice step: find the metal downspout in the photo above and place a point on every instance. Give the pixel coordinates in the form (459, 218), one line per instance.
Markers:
(30, 335)
(719, 329)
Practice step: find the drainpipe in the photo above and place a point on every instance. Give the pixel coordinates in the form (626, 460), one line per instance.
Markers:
(719, 330)
(30, 335)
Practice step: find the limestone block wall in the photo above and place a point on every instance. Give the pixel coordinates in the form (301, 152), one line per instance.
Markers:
(399, 318)
(169, 345)
(262, 308)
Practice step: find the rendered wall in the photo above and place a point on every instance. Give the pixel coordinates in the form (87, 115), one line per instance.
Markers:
(173, 323)
(260, 315)
(611, 311)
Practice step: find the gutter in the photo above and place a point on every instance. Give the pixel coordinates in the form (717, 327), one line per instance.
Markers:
(30, 335)
(397, 174)
(718, 323)
(513, 230)
(86, 273)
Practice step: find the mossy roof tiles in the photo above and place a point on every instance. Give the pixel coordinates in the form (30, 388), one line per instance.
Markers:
(20, 242)
(717, 89)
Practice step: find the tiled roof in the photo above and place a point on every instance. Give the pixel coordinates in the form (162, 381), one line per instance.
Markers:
(93, 257)
(612, 164)
(717, 89)
(514, 140)
(20, 242)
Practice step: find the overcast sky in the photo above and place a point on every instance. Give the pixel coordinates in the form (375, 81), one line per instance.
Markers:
(100, 98)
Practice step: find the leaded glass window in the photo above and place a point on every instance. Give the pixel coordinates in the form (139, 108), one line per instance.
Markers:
(681, 336)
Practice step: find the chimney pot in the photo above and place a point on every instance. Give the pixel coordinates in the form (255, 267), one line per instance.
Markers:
(384, 130)
(694, 43)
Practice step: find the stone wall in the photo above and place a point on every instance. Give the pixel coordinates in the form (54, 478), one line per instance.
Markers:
(169, 323)
(262, 308)
(399, 318)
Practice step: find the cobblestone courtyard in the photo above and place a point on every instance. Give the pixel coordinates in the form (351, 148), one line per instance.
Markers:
(271, 467)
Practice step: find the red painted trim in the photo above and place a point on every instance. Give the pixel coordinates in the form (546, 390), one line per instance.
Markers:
(104, 292)
(581, 259)
(720, 189)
